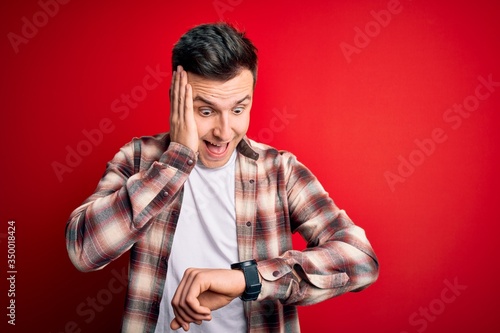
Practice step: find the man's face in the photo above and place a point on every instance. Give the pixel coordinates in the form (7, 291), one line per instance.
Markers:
(222, 115)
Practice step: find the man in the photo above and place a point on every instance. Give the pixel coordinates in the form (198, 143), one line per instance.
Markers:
(207, 214)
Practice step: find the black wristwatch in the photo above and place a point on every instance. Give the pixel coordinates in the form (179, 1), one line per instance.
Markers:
(252, 281)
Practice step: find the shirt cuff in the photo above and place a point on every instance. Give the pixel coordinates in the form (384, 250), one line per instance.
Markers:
(179, 157)
(277, 279)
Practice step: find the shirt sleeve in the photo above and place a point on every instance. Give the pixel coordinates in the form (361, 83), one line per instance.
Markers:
(121, 209)
(338, 257)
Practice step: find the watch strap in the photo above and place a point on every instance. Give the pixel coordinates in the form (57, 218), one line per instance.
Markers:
(252, 279)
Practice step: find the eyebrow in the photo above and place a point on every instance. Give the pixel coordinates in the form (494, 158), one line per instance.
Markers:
(206, 101)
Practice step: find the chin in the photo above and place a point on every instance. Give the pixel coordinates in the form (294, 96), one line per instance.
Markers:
(210, 163)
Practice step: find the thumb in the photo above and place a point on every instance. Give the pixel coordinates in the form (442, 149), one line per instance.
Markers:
(174, 325)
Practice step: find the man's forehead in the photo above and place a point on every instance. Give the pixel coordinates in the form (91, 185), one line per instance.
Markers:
(214, 100)
(208, 89)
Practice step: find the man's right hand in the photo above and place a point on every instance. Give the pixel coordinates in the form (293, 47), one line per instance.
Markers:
(183, 128)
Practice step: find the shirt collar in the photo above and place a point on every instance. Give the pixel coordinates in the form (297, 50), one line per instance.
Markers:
(245, 149)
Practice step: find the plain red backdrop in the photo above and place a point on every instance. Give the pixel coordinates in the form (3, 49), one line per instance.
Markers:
(352, 91)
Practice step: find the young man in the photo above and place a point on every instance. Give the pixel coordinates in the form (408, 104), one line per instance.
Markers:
(208, 213)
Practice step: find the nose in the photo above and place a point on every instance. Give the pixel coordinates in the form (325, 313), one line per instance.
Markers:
(222, 128)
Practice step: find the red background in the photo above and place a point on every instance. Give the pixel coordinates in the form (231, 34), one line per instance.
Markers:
(351, 122)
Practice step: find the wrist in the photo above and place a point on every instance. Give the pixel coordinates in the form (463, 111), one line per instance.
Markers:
(240, 278)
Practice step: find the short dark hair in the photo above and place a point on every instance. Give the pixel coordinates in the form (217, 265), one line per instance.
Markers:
(216, 51)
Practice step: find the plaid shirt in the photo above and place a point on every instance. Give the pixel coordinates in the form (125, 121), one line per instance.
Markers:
(275, 195)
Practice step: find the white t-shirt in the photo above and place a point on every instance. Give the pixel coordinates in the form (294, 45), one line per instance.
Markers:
(205, 237)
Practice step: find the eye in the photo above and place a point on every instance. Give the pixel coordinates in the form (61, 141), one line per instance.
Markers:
(238, 110)
(205, 112)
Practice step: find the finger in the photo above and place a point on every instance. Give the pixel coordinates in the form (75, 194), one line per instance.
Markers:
(171, 89)
(180, 317)
(191, 305)
(189, 297)
(174, 325)
(192, 289)
(189, 116)
(175, 303)
(182, 95)
(182, 309)
(174, 88)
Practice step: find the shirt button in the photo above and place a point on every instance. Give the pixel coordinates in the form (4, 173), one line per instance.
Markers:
(251, 181)
(276, 273)
(249, 224)
(190, 162)
(164, 194)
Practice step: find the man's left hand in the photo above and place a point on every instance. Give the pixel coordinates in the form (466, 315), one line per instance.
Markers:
(203, 290)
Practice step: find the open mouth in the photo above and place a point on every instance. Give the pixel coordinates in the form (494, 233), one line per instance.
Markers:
(216, 149)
